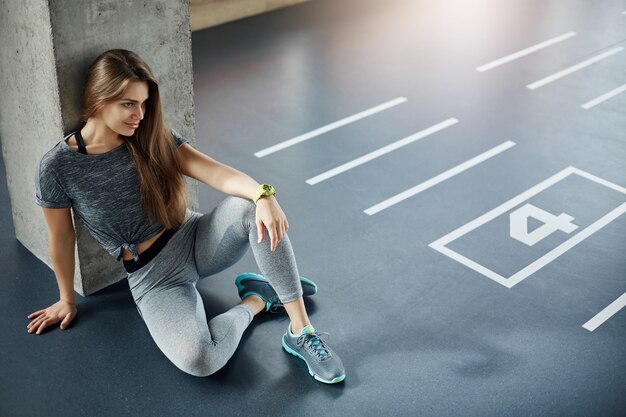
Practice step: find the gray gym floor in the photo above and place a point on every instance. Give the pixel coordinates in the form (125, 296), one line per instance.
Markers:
(434, 307)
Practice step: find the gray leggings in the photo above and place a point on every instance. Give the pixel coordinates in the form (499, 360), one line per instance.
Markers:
(165, 288)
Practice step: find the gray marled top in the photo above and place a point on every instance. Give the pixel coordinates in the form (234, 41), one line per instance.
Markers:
(103, 191)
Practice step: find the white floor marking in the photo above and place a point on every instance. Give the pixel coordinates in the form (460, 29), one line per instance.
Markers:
(604, 97)
(439, 178)
(525, 52)
(440, 244)
(574, 68)
(329, 127)
(382, 151)
(606, 314)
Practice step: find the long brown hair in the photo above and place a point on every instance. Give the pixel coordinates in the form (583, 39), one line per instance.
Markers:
(152, 146)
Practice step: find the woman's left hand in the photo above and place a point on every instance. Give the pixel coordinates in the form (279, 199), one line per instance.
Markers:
(270, 215)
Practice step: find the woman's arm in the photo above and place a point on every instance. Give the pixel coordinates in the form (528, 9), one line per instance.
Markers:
(196, 164)
(61, 241)
(224, 178)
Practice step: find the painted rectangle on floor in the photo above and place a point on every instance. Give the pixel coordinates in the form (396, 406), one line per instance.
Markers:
(524, 234)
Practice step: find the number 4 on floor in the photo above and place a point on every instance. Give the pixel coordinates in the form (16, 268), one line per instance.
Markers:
(551, 223)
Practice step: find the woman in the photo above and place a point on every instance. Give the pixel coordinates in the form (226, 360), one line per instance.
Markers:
(122, 174)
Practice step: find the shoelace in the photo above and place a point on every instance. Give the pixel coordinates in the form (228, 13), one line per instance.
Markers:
(276, 306)
(315, 344)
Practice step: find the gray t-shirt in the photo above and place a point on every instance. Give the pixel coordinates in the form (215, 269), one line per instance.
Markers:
(102, 189)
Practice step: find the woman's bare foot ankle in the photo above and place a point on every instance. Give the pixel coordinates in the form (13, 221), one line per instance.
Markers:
(255, 303)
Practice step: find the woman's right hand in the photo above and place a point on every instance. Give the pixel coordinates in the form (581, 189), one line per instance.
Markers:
(61, 311)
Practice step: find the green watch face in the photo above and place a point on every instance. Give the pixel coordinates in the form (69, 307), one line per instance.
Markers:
(267, 189)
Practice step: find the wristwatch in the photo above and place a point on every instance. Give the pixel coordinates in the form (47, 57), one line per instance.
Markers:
(265, 190)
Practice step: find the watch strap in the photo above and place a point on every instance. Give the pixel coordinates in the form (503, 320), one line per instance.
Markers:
(264, 190)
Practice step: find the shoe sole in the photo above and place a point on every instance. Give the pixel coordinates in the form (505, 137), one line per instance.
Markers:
(313, 374)
(252, 275)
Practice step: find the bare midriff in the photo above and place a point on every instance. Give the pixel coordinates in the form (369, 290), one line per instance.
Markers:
(141, 247)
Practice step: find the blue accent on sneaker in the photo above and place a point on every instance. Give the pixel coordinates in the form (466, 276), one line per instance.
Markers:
(306, 329)
(322, 362)
(256, 284)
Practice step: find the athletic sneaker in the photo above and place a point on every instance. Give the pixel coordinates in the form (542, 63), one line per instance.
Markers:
(323, 363)
(251, 283)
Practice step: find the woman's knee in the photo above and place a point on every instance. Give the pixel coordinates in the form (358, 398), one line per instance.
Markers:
(241, 208)
(198, 360)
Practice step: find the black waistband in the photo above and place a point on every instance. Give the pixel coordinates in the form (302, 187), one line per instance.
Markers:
(150, 253)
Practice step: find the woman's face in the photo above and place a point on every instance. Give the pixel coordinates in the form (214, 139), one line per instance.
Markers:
(124, 115)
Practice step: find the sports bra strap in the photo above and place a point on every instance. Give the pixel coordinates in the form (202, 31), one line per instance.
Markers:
(81, 143)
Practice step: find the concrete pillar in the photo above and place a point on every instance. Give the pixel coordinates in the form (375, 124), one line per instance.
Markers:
(45, 51)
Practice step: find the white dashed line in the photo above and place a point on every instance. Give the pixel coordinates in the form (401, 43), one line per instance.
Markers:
(525, 52)
(574, 68)
(329, 127)
(439, 178)
(604, 97)
(382, 151)
(606, 314)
